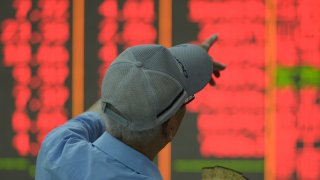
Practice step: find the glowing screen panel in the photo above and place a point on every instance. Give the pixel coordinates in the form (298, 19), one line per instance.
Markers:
(230, 117)
(224, 125)
(298, 95)
(35, 72)
(232, 112)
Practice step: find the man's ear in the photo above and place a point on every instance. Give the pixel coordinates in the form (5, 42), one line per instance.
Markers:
(168, 129)
(171, 126)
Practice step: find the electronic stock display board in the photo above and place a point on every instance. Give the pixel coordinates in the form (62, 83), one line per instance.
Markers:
(225, 125)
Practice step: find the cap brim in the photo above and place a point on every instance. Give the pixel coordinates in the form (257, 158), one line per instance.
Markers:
(196, 66)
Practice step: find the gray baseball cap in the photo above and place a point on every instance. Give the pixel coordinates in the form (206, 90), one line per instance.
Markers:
(147, 84)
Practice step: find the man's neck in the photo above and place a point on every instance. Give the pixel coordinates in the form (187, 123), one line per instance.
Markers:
(150, 150)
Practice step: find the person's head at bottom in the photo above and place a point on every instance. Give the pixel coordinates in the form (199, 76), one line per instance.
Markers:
(145, 90)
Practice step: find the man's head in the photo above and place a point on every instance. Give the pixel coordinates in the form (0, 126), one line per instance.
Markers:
(147, 84)
(145, 89)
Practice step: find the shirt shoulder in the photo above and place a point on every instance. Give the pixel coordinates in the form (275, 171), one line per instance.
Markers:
(68, 152)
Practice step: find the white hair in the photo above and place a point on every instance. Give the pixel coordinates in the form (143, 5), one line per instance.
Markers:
(134, 137)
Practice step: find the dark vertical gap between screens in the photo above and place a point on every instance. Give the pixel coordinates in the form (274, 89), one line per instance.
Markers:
(183, 31)
(6, 97)
(6, 102)
(91, 48)
(68, 104)
(185, 145)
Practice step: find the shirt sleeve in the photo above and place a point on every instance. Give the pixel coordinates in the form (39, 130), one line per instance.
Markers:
(88, 127)
(78, 133)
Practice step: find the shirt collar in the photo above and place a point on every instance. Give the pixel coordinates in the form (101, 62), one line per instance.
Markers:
(126, 155)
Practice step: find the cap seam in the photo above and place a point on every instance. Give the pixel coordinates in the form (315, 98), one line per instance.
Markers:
(129, 120)
(171, 78)
(153, 93)
(162, 49)
(152, 54)
(116, 63)
(163, 73)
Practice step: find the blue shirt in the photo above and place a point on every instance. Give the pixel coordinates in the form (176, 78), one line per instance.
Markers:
(82, 149)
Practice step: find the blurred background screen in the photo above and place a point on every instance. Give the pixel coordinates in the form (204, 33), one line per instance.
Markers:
(262, 118)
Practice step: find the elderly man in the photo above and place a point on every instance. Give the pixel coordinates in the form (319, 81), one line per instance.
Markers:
(143, 98)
